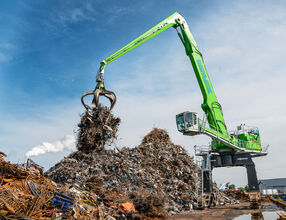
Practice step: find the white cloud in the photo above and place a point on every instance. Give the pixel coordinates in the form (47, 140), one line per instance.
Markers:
(72, 15)
(62, 17)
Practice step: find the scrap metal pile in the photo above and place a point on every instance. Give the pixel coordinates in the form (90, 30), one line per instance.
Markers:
(156, 167)
(224, 198)
(26, 194)
(149, 181)
(237, 194)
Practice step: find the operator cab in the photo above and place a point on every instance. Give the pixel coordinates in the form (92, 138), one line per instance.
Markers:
(187, 123)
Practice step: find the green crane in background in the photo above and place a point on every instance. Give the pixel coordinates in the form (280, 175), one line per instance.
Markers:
(244, 141)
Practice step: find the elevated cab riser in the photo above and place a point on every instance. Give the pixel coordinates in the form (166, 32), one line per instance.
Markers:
(243, 139)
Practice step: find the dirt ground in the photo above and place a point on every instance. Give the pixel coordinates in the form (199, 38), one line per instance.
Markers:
(226, 212)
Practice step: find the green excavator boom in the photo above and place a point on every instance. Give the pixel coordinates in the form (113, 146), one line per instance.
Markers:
(188, 123)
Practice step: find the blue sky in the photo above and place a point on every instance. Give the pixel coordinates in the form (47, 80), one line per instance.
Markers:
(50, 52)
(50, 49)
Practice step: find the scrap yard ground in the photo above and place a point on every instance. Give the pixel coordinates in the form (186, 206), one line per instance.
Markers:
(225, 212)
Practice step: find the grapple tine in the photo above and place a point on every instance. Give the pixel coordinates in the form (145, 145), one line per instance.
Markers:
(96, 93)
(95, 100)
(112, 98)
(82, 99)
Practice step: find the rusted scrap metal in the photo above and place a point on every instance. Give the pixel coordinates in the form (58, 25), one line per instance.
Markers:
(127, 207)
(23, 194)
(38, 197)
(228, 196)
(33, 167)
(237, 194)
(150, 205)
(91, 133)
(27, 195)
(9, 170)
(19, 200)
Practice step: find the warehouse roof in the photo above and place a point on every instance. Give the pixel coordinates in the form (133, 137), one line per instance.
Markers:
(273, 182)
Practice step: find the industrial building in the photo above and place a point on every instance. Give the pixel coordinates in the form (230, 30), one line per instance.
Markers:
(273, 186)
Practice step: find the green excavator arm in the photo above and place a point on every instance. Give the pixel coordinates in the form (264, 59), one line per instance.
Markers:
(210, 104)
(217, 130)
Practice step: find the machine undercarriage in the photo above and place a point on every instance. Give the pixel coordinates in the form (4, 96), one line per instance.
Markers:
(211, 160)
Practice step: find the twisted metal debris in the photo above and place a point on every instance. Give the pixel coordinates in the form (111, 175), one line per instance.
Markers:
(24, 194)
(91, 133)
(156, 166)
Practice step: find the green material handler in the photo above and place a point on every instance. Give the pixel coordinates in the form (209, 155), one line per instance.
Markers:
(244, 141)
